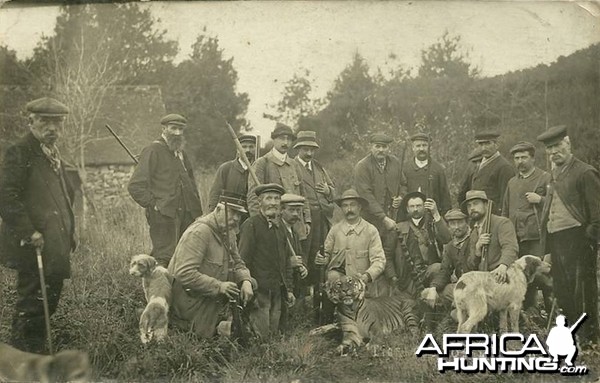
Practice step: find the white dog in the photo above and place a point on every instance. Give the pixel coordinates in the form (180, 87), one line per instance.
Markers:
(476, 292)
(156, 282)
(64, 366)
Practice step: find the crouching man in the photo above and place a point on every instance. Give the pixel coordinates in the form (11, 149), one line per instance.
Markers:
(208, 269)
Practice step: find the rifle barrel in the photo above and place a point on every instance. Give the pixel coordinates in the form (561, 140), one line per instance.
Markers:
(122, 143)
(241, 153)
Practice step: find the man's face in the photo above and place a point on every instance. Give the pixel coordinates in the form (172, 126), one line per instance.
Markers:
(351, 209)
(476, 209)
(415, 208)
(270, 204)
(249, 149)
(458, 227)
(306, 153)
(46, 128)
(524, 161)
(233, 216)
(282, 143)
(291, 214)
(421, 149)
(559, 152)
(380, 150)
(174, 136)
(487, 148)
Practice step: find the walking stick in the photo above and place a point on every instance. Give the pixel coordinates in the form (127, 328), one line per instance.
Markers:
(40, 262)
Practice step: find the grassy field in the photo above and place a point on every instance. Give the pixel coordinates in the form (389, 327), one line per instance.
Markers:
(98, 314)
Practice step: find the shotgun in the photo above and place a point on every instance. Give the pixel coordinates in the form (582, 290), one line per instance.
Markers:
(486, 229)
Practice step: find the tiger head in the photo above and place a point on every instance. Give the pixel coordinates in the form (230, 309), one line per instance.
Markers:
(346, 290)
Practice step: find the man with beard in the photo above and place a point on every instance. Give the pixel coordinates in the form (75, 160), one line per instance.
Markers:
(571, 226)
(379, 179)
(36, 209)
(353, 247)
(232, 176)
(277, 167)
(413, 255)
(492, 173)
(163, 183)
(320, 191)
(501, 240)
(426, 175)
(208, 270)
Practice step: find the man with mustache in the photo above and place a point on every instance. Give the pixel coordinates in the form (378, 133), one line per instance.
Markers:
(353, 246)
(163, 183)
(426, 175)
(277, 167)
(36, 200)
(571, 228)
(207, 269)
(232, 176)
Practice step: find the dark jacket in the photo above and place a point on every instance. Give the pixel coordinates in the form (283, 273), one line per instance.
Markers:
(309, 180)
(35, 198)
(230, 176)
(161, 180)
(503, 247)
(454, 260)
(434, 176)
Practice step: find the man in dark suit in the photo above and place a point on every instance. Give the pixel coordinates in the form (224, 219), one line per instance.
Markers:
(163, 183)
(36, 209)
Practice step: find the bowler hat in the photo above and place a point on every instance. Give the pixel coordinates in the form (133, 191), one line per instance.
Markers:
(47, 106)
(233, 200)
(474, 194)
(522, 146)
(486, 136)
(173, 119)
(306, 138)
(381, 138)
(404, 202)
(282, 129)
(247, 138)
(292, 199)
(455, 215)
(553, 135)
(351, 194)
(269, 188)
(420, 137)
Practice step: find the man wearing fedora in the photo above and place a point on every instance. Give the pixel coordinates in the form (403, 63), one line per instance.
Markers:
(163, 183)
(380, 180)
(277, 167)
(491, 174)
(427, 175)
(207, 269)
(571, 228)
(319, 191)
(36, 202)
(232, 176)
(353, 246)
(501, 240)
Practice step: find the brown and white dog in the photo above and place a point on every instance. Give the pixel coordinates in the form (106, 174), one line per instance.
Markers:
(156, 282)
(477, 292)
(64, 366)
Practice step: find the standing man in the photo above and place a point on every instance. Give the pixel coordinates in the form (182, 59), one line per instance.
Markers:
(277, 167)
(426, 175)
(36, 210)
(320, 191)
(379, 179)
(571, 223)
(163, 183)
(492, 173)
(232, 176)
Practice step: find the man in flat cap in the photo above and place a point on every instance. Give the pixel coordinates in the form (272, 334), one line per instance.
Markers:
(233, 175)
(491, 174)
(207, 269)
(380, 180)
(427, 175)
(277, 167)
(163, 183)
(36, 200)
(571, 226)
(320, 192)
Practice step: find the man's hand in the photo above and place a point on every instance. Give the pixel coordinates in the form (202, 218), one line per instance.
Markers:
(323, 188)
(365, 277)
(291, 299)
(389, 223)
(303, 271)
(432, 207)
(246, 293)
(396, 202)
(500, 273)
(484, 239)
(296, 261)
(307, 228)
(230, 289)
(37, 239)
(533, 197)
(429, 295)
(321, 260)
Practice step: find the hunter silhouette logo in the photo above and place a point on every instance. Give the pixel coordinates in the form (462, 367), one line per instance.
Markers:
(561, 340)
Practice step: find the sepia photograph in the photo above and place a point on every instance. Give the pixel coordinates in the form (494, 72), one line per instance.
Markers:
(299, 191)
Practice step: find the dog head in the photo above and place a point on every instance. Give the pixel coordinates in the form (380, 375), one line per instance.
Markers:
(142, 265)
(65, 366)
(532, 266)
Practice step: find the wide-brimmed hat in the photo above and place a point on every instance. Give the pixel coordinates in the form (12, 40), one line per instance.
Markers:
(408, 196)
(351, 194)
(474, 194)
(233, 200)
(306, 138)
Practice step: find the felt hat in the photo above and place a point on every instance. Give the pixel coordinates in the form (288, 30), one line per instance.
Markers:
(351, 194)
(474, 194)
(455, 215)
(306, 138)
(282, 129)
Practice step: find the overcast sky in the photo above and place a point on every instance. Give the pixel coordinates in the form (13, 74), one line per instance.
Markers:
(270, 41)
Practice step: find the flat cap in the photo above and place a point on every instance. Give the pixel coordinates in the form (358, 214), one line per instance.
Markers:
(381, 138)
(486, 136)
(173, 119)
(351, 194)
(282, 129)
(292, 199)
(247, 138)
(233, 200)
(474, 194)
(522, 146)
(420, 137)
(269, 188)
(454, 215)
(306, 138)
(553, 135)
(47, 106)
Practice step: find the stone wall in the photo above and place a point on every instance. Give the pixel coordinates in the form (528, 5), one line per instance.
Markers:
(106, 185)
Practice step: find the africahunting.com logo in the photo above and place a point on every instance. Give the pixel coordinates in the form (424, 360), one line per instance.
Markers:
(511, 352)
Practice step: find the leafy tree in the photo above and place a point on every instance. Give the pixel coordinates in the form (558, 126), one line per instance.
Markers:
(296, 101)
(445, 59)
(12, 71)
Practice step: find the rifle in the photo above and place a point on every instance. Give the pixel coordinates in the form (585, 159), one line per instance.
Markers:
(486, 229)
(430, 191)
(393, 211)
(241, 153)
(122, 143)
